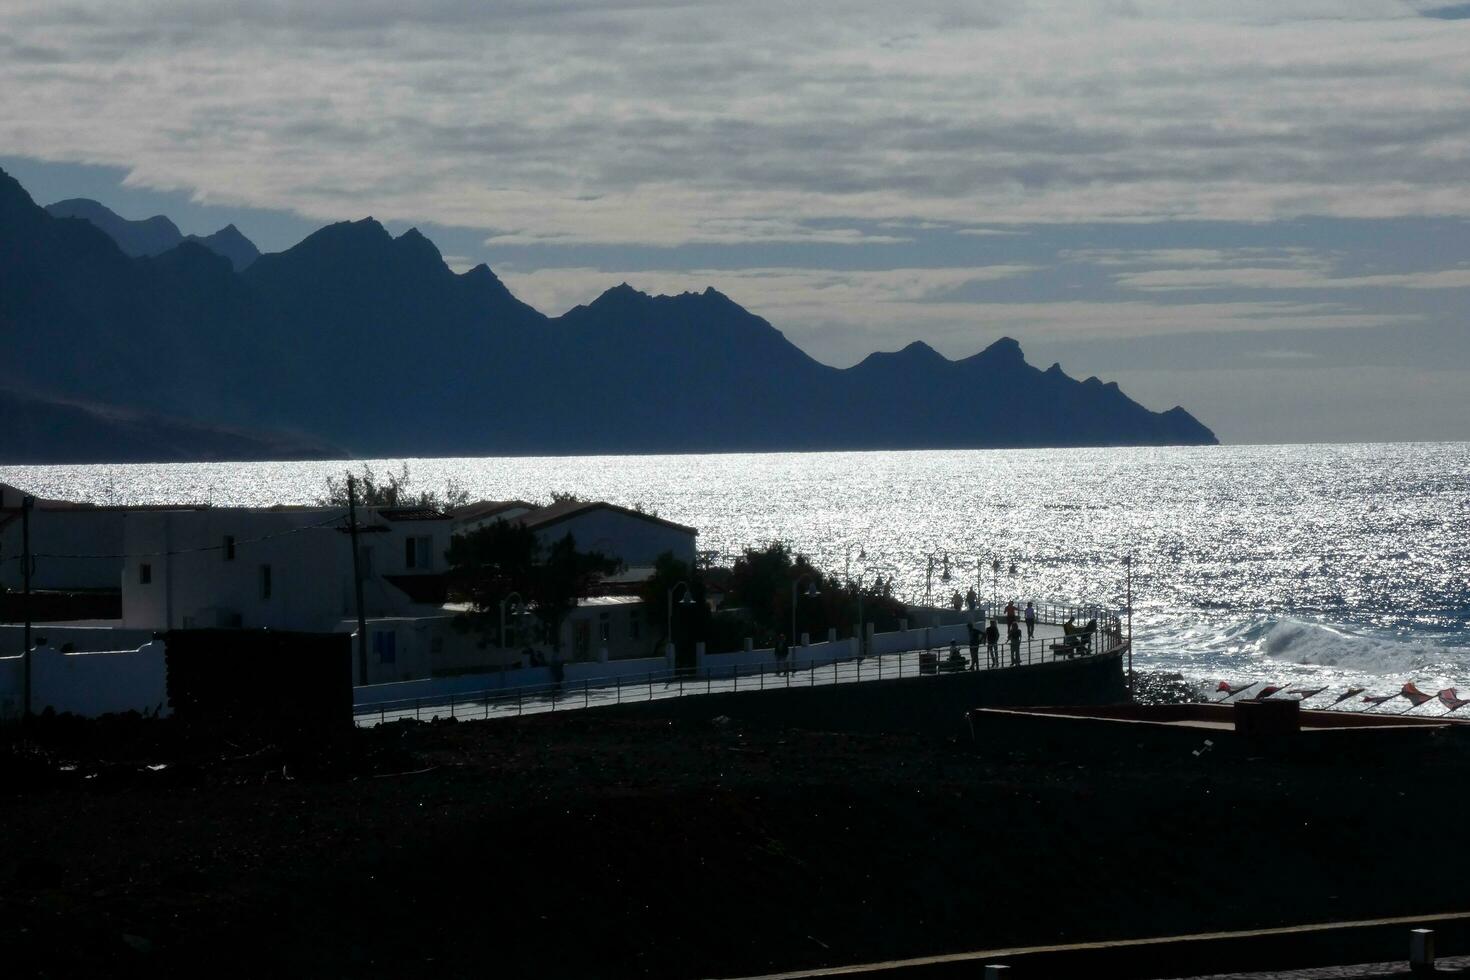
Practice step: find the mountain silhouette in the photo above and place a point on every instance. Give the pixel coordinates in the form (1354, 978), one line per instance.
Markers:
(156, 235)
(46, 430)
(370, 342)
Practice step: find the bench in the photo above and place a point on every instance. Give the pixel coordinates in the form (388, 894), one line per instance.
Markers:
(1073, 644)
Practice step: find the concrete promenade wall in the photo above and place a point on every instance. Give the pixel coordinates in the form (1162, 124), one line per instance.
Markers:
(437, 687)
(87, 684)
(935, 705)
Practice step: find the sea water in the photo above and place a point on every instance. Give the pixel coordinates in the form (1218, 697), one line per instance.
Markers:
(1330, 564)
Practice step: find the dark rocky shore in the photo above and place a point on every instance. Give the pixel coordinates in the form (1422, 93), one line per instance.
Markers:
(591, 846)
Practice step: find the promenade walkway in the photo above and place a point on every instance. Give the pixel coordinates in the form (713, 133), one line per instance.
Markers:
(542, 699)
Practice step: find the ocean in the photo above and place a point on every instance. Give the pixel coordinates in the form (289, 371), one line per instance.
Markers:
(1330, 564)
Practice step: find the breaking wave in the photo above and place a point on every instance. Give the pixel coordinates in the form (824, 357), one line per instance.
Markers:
(1286, 649)
(1299, 642)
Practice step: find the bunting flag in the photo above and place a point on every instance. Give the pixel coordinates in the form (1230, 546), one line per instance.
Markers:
(1414, 694)
(1266, 692)
(1450, 700)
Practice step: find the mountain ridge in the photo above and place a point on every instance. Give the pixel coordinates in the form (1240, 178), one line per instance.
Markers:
(370, 341)
(150, 237)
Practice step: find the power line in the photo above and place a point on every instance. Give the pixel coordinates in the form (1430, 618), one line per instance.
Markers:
(188, 551)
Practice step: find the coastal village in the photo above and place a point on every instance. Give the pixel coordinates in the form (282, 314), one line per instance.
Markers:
(107, 585)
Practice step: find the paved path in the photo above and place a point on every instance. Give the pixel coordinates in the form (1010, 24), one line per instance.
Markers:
(575, 695)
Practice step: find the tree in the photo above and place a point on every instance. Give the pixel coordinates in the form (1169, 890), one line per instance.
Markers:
(761, 581)
(395, 491)
(491, 562)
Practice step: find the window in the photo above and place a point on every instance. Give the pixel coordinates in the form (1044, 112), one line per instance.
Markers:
(229, 547)
(385, 646)
(145, 573)
(265, 581)
(417, 553)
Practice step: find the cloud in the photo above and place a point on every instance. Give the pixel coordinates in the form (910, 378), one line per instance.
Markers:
(666, 123)
(1169, 270)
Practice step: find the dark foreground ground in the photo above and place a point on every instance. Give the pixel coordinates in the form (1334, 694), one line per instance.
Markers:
(586, 846)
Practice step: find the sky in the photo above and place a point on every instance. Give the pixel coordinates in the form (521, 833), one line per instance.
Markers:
(1257, 210)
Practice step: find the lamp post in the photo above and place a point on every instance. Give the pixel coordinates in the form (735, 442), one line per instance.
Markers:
(929, 580)
(847, 578)
(687, 600)
(995, 586)
(520, 610)
(1128, 611)
(811, 591)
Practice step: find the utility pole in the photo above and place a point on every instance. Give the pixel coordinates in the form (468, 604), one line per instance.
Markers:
(1128, 602)
(362, 657)
(26, 503)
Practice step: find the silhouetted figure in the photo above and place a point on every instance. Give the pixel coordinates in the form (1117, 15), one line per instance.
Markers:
(782, 651)
(1013, 633)
(1030, 620)
(974, 642)
(992, 643)
(970, 599)
(956, 601)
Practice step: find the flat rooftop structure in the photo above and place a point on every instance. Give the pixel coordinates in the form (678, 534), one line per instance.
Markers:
(1245, 730)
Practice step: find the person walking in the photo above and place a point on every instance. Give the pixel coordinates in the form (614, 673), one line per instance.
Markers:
(970, 599)
(782, 651)
(1013, 633)
(1011, 613)
(992, 643)
(1030, 621)
(974, 645)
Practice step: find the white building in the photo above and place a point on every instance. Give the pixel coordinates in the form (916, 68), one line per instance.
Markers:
(62, 533)
(281, 568)
(636, 538)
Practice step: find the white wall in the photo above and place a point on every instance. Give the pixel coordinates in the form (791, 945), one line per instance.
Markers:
(87, 684)
(65, 531)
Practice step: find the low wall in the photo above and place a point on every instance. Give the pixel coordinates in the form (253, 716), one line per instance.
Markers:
(752, 661)
(87, 684)
(86, 639)
(937, 705)
(441, 687)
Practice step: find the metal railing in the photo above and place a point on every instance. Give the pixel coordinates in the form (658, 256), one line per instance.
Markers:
(930, 661)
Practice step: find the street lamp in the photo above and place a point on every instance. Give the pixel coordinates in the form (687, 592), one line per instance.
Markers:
(520, 609)
(929, 580)
(687, 600)
(811, 592)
